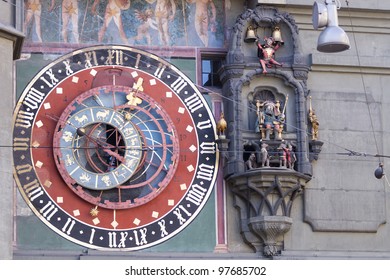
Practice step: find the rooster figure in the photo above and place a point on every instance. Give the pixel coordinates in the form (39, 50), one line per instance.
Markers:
(221, 126)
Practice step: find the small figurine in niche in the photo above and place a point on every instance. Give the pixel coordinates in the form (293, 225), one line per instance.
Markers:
(221, 126)
(260, 118)
(251, 162)
(283, 155)
(290, 156)
(267, 51)
(287, 156)
(264, 155)
(314, 122)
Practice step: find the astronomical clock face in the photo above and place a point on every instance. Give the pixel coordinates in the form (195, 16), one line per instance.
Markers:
(114, 148)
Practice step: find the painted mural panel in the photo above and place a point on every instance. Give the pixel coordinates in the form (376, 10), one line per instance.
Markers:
(130, 22)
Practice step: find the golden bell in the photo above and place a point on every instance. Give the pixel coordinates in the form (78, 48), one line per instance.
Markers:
(277, 35)
(250, 35)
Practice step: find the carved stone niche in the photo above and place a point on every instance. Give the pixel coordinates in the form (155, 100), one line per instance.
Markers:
(242, 70)
(263, 198)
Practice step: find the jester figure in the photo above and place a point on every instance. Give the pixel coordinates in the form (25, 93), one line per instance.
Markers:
(267, 51)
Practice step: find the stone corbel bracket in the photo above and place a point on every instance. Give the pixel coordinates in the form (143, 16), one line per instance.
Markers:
(264, 198)
(315, 148)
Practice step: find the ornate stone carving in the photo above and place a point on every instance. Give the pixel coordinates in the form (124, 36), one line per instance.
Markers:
(264, 198)
(315, 147)
(265, 180)
(270, 229)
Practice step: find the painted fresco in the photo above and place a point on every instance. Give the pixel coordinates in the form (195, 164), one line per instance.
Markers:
(131, 22)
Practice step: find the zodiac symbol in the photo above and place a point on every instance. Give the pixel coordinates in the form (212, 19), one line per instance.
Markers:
(128, 131)
(68, 136)
(85, 178)
(101, 115)
(81, 119)
(69, 160)
(106, 180)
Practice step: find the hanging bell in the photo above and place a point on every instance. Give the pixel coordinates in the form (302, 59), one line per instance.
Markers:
(250, 35)
(277, 35)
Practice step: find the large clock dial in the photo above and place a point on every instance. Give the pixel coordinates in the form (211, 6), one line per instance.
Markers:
(114, 148)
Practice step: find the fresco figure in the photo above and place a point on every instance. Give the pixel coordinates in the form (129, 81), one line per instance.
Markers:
(147, 23)
(165, 11)
(202, 19)
(33, 11)
(112, 13)
(70, 14)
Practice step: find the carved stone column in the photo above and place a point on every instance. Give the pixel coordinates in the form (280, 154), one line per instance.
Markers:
(264, 198)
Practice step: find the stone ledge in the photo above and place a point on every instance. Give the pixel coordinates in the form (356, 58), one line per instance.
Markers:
(350, 61)
(20, 254)
(332, 255)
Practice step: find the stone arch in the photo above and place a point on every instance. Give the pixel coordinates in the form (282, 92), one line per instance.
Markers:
(262, 15)
(262, 93)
